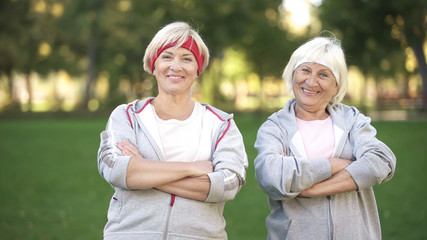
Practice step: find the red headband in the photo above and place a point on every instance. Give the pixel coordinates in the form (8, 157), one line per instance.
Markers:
(191, 45)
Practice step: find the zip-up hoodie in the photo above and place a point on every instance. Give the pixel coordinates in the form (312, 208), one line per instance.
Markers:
(349, 215)
(153, 214)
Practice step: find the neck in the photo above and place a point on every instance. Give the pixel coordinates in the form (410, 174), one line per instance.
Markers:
(308, 114)
(172, 107)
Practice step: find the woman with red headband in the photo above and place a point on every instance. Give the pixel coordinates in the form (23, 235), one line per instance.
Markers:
(172, 162)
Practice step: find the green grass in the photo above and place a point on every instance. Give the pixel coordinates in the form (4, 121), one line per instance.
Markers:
(50, 187)
(402, 201)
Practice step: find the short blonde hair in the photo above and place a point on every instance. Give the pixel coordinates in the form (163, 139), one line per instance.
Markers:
(323, 50)
(177, 32)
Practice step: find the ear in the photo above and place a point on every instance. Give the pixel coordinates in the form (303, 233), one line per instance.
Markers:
(336, 89)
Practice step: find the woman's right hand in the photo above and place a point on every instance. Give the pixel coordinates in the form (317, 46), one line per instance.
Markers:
(201, 168)
(338, 164)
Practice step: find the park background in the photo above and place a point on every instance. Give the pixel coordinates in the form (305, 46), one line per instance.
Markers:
(64, 65)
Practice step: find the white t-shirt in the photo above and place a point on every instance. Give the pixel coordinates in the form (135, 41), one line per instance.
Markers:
(318, 137)
(180, 140)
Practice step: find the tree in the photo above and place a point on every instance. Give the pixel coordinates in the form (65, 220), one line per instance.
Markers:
(375, 32)
(109, 37)
(27, 34)
(123, 32)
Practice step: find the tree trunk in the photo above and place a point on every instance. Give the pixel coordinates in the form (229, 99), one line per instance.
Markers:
(29, 90)
(364, 89)
(91, 72)
(417, 47)
(13, 98)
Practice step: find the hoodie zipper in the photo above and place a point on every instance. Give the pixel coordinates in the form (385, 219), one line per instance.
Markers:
(331, 222)
(172, 202)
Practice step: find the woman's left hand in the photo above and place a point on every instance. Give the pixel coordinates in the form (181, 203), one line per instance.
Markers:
(283, 153)
(128, 149)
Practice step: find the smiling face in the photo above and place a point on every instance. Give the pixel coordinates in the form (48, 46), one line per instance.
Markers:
(175, 71)
(314, 85)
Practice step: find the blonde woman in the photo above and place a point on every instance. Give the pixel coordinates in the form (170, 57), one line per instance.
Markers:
(173, 162)
(318, 159)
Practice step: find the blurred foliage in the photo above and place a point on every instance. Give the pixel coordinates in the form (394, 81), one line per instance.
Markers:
(108, 38)
(376, 34)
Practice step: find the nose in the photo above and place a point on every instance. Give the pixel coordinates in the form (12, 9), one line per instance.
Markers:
(311, 80)
(175, 65)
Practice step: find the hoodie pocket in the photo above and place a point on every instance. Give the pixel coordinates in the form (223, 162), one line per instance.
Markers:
(116, 204)
(197, 219)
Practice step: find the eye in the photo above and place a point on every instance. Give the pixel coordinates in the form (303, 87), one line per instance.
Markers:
(324, 75)
(165, 56)
(188, 59)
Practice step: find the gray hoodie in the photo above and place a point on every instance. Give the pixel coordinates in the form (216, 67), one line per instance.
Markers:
(349, 215)
(153, 214)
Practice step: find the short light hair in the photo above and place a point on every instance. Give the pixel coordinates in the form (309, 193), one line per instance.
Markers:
(174, 32)
(326, 51)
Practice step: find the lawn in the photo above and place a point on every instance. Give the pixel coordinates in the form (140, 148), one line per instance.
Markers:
(50, 187)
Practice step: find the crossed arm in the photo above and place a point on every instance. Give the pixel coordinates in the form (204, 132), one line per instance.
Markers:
(340, 181)
(185, 179)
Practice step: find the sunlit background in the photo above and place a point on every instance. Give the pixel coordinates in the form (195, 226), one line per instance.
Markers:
(70, 56)
(65, 64)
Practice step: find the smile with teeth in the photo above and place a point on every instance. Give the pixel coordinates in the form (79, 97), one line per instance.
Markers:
(174, 77)
(310, 92)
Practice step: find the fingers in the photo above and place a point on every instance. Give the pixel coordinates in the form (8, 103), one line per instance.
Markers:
(125, 145)
(206, 166)
(122, 146)
(128, 149)
(210, 167)
(338, 164)
(202, 167)
(126, 153)
(283, 153)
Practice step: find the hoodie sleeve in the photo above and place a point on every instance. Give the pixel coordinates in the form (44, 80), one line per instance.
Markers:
(375, 162)
(111, 164)
(283, 177)
(230, 163)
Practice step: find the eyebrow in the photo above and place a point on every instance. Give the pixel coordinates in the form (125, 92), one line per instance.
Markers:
(324, 68)
(165, 51)
(184, 55)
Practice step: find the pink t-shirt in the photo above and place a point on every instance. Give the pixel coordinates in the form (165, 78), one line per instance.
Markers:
(318, 137)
